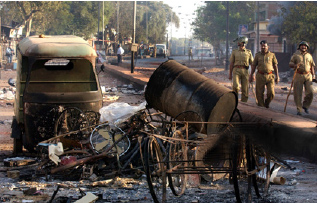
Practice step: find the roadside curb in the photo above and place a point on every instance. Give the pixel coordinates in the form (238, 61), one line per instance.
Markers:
(136, 77)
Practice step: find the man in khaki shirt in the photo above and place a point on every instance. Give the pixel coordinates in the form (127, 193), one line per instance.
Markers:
(265, 62)
(302, 62)
(239, 64)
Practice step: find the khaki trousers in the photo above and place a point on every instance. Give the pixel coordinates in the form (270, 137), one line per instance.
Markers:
(301, 80)
(241, 74)
(263, 80)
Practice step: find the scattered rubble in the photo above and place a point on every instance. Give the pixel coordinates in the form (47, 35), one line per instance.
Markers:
(7, 93)
(119, 187)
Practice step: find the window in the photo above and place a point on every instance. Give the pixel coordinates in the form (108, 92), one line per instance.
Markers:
(62, 75)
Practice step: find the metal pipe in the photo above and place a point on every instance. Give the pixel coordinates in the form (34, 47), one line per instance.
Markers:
(103, 25)
(133, 37)
(174, 89)
(227, 38)
(257, 27)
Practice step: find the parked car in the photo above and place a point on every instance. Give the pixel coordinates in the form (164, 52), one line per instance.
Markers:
(53, 73)
(161, 50)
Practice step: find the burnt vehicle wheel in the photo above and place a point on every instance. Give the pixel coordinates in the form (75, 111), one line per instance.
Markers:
(16, 134)
(28, 143)
(74, 124)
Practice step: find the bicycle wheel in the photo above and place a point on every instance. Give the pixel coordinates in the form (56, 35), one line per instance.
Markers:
(241, 164)
(261, 164)
(105, 135)
(177, 162)
(155, 170)
(159, 122)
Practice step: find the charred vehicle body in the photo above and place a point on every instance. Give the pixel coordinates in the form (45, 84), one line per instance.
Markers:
(53, 73)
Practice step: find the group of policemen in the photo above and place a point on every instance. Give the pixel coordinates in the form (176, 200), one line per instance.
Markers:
(265, 63)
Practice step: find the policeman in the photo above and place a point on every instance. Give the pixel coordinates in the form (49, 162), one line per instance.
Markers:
(304, 66)
(239, 64)
(265, 62)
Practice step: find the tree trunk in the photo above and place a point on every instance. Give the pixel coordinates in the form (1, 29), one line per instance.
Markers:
(28, 28)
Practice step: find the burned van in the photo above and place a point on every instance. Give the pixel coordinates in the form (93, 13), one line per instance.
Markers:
(53, 73)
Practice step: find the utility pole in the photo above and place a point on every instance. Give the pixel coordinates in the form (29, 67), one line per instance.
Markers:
(133, 37)
(167, 45)
(185, 43)
(171, 45)
(1, 48)
(98, 24)
(117, 40)
(227, 40)
(147, 30)
(257, 27)
(103, 25)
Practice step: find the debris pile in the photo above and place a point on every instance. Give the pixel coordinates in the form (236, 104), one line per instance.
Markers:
(107, 148)
(113, 93)
(7, 93)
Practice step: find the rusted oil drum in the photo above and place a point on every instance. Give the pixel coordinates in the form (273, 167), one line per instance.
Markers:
(174, 88)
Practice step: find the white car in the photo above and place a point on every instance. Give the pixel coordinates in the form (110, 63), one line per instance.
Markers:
(161, 50)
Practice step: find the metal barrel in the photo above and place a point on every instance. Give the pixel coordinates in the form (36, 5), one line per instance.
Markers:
(173, 89)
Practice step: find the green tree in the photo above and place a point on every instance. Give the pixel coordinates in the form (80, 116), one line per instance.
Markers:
(24, 12)
(81, 18)
(158, 16)
(57, 17)
(210, 23)
(300, 23)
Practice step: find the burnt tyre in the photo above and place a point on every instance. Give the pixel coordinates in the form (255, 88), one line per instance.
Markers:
(16, 134)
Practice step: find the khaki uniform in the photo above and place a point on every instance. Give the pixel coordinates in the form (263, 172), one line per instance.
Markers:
(241, 60)
(302, 78)
(265, 77)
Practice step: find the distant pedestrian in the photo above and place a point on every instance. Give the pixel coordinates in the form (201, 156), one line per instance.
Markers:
(240, 60)
(265, 62)
(9, 53)
(154, 51)
(120, 52)
(190, 53)
(304, 66)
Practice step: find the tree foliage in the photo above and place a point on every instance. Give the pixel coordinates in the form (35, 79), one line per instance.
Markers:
(300, 22)
(152, 18)
(81, 18)
(211, 22)
(25, 12)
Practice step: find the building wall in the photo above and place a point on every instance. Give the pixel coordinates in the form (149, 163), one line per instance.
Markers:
(267, 10)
